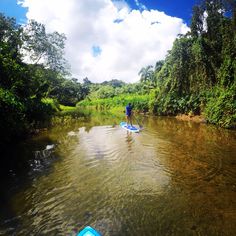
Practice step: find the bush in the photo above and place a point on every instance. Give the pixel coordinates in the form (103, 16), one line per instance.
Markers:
(52, 103)
(172, 104)
(221, 107)
(12, 119)
(39, 111)
(139, 102)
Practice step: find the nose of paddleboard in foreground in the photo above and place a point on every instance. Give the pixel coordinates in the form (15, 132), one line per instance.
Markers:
(88, 231)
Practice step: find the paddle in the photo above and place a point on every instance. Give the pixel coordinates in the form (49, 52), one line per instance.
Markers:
(140, 126)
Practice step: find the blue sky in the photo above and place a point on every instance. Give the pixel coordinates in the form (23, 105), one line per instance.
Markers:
(178, 8)
(12, 9)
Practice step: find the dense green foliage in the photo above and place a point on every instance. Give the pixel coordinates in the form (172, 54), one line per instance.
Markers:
(198, 75)
(24, 86)
(220, 108)
(139, 102)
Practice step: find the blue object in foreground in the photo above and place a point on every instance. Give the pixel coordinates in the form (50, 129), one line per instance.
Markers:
(129, 127)
(88, 231)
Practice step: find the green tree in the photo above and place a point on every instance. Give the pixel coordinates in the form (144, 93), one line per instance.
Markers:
(45, 48)
(23, 86)
(197, 21)
(147, 77)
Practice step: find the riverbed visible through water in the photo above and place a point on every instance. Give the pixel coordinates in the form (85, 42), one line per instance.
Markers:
(172, 178)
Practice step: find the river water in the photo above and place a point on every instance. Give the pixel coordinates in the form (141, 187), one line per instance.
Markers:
(172, 178)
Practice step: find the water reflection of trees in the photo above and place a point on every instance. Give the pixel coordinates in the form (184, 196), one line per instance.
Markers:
(185, 131)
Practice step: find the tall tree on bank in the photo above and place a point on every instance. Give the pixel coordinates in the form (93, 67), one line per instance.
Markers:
(147, 77)
(199, 72)
(26, 81)
(44, 48)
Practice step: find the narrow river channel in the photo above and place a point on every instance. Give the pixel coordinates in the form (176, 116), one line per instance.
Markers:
(173, 178)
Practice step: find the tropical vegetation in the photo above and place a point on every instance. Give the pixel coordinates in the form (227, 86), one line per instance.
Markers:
(33, 77)
(198, 75)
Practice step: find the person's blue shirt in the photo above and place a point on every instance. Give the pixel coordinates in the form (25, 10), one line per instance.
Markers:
(128, 110)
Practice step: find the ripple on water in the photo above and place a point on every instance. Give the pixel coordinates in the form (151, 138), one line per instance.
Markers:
(192, 169)
(187, 164)
(122, 183)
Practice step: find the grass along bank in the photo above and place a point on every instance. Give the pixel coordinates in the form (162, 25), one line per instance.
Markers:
(141, 103)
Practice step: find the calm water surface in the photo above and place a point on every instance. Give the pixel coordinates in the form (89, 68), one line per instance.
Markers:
(173, 178)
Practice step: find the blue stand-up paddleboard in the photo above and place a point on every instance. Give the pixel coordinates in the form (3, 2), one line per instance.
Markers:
(129, 127)
(88, 231)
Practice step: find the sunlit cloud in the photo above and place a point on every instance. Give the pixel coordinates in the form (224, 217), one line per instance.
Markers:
(107, 39)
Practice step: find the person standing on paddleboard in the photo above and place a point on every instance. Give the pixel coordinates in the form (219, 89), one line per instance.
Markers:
(128, 110)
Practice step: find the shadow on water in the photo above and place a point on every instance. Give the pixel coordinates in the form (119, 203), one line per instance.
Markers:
(173, 178)
(20, 165)
(24, 162)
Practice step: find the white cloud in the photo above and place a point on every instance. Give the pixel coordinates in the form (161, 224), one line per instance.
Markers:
(127, 39)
